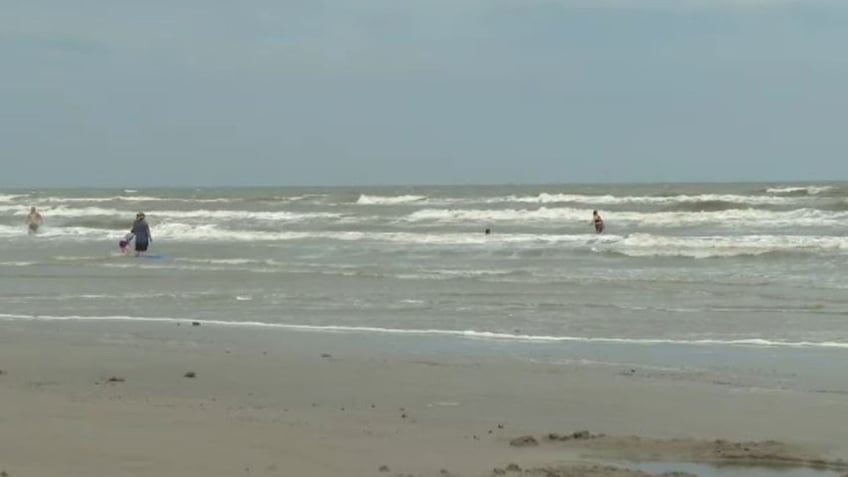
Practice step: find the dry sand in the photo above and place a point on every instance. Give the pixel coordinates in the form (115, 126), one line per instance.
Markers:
(76, 401)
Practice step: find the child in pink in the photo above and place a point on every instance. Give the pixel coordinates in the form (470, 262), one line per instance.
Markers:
(125, 242)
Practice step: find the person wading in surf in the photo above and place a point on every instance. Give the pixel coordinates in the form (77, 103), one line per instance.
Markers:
(34, 220)
(597, 221)
(141, 231)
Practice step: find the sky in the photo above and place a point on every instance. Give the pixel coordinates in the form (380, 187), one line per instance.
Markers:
(366, 92)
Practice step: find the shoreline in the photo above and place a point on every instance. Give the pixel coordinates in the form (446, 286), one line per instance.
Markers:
(516, 336)
(737, 364)
(334, 404)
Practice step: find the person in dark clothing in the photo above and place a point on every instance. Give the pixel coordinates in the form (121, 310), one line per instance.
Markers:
(598, 222)
(141, 231)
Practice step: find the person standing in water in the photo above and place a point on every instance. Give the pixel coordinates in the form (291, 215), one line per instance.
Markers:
(597, 221)
(34, 220)
(141, 231)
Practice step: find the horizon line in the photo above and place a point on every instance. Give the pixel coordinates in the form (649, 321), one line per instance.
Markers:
(425, 185)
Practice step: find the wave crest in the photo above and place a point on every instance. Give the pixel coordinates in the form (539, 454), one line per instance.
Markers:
(566, 215)
(365, 199)
(799, 190)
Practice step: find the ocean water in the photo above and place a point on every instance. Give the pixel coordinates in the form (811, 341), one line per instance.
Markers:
(747, 265)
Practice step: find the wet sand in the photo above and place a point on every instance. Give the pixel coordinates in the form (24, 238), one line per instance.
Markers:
(78, 401)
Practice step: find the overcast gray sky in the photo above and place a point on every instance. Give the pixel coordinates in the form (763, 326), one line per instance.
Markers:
(309, 92)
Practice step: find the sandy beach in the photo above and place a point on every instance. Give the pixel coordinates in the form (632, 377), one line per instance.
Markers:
(81, 401)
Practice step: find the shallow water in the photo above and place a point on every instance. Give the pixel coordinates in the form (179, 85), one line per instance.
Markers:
(685, 275)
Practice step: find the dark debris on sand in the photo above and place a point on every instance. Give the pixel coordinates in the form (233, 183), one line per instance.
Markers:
(524, 441)
(594, 471)
(190, 374)
(579, 435)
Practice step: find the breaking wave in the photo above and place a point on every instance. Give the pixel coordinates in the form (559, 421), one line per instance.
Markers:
(389, 200)
(647, 245)
(10, 197)
(799, 190)
(564, 215)
(601, 200)
(632, 245)
(282, 216)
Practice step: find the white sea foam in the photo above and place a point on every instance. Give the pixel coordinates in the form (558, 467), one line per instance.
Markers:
(472, 334)
(14, 208)
(305, 197)
(812, 190)
(131, 198)
(223, 261)
(12, 231)
(735, 217)
(126, 198)
(599, 200)
(732, 217)
(389, 200)
(281, 216)
(635, 245)
(65, 211)
(647, 245)
(10, 197)
(188, 232)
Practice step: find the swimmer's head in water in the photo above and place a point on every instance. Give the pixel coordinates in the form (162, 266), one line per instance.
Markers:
(488, 231)
(32, 209)
(594, 212)
(139, 216)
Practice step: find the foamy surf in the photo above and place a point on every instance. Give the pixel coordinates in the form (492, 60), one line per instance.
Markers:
(647, 245)
(11, 197)
(605, 200)
(17, 264)
(811, 190)
(160, 215)
(697, 261)
(773, 196)
(724, 218)
(389, 200)
(470, 334)
(632, 245)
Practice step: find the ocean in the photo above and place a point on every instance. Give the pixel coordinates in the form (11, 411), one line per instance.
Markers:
(744, 266)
